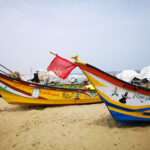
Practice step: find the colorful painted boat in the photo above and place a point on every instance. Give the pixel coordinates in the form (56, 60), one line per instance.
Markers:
(127, 103)
(25, 93)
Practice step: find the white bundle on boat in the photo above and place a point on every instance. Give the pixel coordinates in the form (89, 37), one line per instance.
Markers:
(145, 73)
(129, 75)
(49, 77)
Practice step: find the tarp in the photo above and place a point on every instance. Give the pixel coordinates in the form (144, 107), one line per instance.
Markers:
(49, 77)
(129, 75)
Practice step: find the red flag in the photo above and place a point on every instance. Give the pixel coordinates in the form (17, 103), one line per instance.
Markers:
(61, 67)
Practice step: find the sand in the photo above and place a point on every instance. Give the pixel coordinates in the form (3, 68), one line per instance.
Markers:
(74, 127)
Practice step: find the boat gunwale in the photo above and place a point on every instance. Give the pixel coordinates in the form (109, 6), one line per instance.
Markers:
(144, 88)
(41, 86)
(113, 80)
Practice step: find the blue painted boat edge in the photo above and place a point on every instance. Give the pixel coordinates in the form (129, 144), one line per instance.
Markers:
(123, 118)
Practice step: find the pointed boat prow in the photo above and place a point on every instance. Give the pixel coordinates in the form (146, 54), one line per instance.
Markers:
(126, 102)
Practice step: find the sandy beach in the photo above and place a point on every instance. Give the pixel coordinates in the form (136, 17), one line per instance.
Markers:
(74, 127)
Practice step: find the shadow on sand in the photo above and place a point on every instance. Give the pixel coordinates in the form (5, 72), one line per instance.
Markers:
(28, 108)
(14, 108)
(108, 121)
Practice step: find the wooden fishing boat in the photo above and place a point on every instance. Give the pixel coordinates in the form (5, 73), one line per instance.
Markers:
(25, 93)
(126, 102)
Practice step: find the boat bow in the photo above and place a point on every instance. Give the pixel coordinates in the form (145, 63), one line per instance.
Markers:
(126, 102)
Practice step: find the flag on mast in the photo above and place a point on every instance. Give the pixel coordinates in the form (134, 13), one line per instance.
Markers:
(61, 67)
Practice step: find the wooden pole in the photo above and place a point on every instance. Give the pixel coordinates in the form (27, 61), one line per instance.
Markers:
(4, 72)
(6, 68)
(52, 53)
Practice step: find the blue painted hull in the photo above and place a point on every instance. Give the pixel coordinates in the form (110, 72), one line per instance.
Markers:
(123, 118)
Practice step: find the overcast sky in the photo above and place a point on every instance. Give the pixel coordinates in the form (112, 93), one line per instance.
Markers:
(112, 35)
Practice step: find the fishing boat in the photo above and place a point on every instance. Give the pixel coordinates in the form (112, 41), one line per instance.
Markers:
(126, 102)
(16, 91)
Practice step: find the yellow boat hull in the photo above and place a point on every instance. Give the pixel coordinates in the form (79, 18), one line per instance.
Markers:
(21, 100)
(24, 93)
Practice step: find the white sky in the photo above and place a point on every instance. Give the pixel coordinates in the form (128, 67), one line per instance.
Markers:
(111, 35)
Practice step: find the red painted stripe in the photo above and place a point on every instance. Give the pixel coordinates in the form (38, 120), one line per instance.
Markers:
(114, 80)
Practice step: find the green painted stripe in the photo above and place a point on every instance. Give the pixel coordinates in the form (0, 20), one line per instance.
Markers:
(3, 89)
(78, 88)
